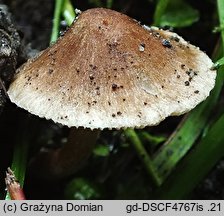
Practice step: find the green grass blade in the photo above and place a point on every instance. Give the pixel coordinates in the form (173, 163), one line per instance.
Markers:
(68, 12)
(194, 167)
(143, 155)
(220, 5)
(56, 21)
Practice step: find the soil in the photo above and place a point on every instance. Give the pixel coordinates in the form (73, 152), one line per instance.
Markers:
(33, 21)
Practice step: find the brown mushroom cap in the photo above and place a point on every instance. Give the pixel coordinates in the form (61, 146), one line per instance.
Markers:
(108, 71)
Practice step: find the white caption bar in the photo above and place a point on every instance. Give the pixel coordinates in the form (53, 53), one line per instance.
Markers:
(113, 207)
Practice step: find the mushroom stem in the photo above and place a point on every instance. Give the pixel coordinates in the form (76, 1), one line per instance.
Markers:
(65, 161)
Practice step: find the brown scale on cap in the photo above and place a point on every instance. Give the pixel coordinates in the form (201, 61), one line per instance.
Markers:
(102, 51)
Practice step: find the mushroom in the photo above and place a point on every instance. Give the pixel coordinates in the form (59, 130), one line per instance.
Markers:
(108, 71)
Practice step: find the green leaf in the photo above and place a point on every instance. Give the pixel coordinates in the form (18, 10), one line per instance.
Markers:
(178, 14)
(81, 189)
(68, 12)
(101, 150)
(159, 11)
